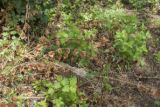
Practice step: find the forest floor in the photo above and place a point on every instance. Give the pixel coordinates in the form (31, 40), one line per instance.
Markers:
(138, 86)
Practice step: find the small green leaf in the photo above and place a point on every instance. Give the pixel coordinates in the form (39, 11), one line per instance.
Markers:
(57, 85)
(43, 103)
(143, 63)
(66, 89)
(5, 34)
(157, 102)
(59, 78)
(50, 91)
(13, 32)
(6, 28)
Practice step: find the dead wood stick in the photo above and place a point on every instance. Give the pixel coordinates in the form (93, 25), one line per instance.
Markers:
(77, 71)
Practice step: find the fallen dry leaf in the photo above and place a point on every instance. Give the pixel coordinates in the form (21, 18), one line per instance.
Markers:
(58, 43)
(39, 47)
(103, 38)
(157, 94)
(133, 36)
(43, 39)
(68, 50)
(65, 56)
(75, 52)
(14, 98)
(51, 54)
(7, 105)
(97, 44)
(59, 51)
(23, 35)
(83, 54)
(47, 32)
(35, 12)
(141, 88)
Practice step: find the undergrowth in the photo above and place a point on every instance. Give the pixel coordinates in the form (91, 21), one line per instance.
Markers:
(63, 93)
(80, 33)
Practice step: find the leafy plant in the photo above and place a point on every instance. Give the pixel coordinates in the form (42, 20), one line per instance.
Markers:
(9, 52)
(15, 11)
(119, 68)
(63, 93)
(156, 42)
(115, 19)
(142, 3)
(157, 57)
(108, 87)
(20, 98)
(131, 46)
(77, 41)
(8, 32)
(13, 49)
(157, 22)
(157, 102)
(9, 94)
(143, 63)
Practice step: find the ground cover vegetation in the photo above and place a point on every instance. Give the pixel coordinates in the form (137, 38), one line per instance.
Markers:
(79, 53)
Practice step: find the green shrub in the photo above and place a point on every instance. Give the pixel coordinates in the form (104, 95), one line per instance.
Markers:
(12, 49)
(14, 44)
(115, 19)
(62, 93)
(131, 46)
(142, 3)
(130, 39)
(77, 41)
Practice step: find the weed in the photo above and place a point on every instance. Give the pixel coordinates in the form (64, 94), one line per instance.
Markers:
(148, 71)
(131, 46)
(117, 91)
(157, 22)
(8, 32)
(106, 68)
(129, 42)
(156, 42)
(13, 49)
(73, 34)
(157, 57)
(139, 4)
(62, 93)
(9, 94)
(108, 87)
(143, 63)
(119, 68)
(157, 103)
(128, 66)
(20, 98)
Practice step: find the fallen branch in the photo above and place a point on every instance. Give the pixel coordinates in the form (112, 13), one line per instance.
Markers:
(27, 98)
(77, 71)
